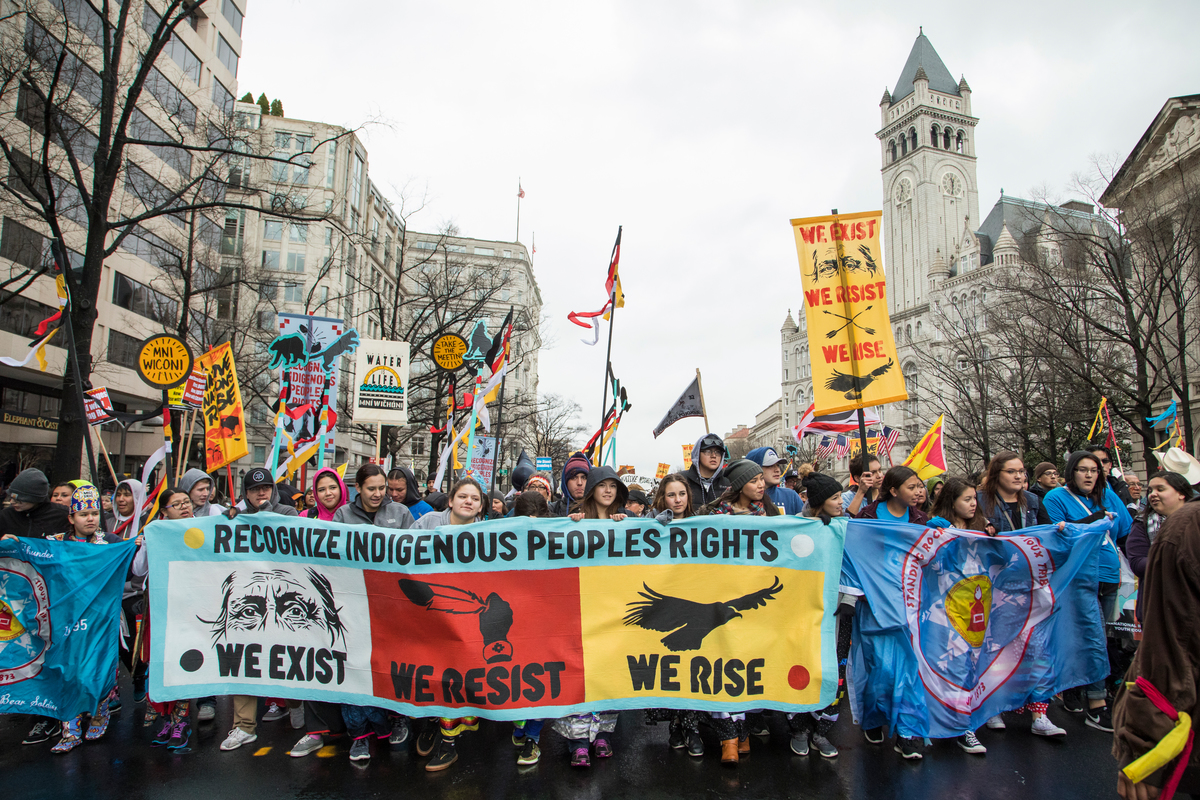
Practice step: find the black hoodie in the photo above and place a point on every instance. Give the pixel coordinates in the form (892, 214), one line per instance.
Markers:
(44, 519)
(596, 476)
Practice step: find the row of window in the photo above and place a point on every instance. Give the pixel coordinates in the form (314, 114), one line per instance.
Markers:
(943, 138)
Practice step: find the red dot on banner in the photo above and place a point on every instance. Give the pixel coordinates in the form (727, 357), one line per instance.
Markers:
(798, 677)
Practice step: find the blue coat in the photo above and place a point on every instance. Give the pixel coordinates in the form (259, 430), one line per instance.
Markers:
(1063, 505)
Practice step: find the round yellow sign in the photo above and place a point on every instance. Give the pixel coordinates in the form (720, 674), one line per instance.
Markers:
(448, 351)
(164, 361)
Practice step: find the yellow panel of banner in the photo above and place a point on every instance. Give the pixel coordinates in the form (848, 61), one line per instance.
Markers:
(853, 353)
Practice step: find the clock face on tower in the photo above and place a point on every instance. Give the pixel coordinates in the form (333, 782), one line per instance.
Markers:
(951, 185)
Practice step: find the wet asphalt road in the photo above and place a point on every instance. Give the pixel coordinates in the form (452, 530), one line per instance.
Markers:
(123, 765)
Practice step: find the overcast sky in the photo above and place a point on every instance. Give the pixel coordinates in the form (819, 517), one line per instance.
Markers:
(702, 127)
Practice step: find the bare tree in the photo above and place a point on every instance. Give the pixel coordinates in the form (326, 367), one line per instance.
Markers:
(553, 430)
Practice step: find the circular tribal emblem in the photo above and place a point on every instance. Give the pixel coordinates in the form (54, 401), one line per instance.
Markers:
(24, 621)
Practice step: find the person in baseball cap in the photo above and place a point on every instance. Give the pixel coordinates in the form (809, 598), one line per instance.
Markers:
(260, 495)
(785, 499)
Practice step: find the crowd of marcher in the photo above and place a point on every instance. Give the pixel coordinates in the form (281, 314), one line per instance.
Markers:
(1153, 537)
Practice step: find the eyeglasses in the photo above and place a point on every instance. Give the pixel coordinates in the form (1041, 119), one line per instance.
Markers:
(181, 505)
(1013, 471)
(1050, 472)
(1086, 471)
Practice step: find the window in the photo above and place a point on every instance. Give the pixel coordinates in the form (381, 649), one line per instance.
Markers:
(425, 245)
(324, 294)
(266, 320)
(330, 161)
(270, 259)
(269, 290)
(24, 246)
(260, 451)
(231, 13)
(227, 55)
(456, 248)
(962, 363)
(892, 147)
(123, 350)
(151, 248)
(222, 98)
(958, 143)
(508, 253)
(912, 139)
(139, 298)
(785, 356)
(946, 139)
(356, 177)
(234, 232)
(418, 446)
(293, 292)
(171, 99)
(273, 230)
(903, 145)
(485, 251)
(20, 315)
(298, 232)
(785, 375)
(170, 151)
(281, 168)
(295, 262)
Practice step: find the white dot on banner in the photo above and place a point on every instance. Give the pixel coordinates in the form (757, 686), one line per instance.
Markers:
(803, 545)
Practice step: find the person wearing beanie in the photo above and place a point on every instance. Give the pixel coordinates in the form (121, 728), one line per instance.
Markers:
(820, 488)
(499, 507)
(786, 500)
(1045, 479)
(540, 482)
(572, 484)
(31, 514)
(637, 503)
(705, 478)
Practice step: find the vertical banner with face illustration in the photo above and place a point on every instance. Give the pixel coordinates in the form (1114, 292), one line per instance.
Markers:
(224, 420)
(854, 359)
(511, 618)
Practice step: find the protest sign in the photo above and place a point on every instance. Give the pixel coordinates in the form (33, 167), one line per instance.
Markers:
(508, 619)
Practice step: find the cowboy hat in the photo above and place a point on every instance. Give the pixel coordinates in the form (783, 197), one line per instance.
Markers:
(1182, 462)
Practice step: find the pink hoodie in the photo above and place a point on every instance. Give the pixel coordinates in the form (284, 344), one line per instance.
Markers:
(322, 512)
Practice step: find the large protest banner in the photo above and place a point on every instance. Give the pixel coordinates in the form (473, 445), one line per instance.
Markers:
(959, 626)
(854, 359)
(509, 618)
(60, 619)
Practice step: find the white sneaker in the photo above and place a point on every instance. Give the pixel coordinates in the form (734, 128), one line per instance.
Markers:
(996, 723)
(207, 713)
(274, 712)
(236, 738)
(310, 743)
(1042, 726)
(297, 715)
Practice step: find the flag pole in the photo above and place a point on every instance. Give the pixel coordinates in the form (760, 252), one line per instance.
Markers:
(862, 423)
(499, 422)
(519, 193)
(703, 407)
(612, 319)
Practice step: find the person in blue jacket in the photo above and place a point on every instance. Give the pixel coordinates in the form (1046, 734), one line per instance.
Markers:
(786, 500)
(1086, 497)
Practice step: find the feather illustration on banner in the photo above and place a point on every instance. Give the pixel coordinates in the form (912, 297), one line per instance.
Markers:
(495, 615)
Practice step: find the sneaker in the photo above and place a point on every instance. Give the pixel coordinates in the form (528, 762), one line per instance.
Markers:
(207, 712)
(970, 743)
(236, 738)
(42, 732)
(602, 749)
(428, 739)
(758, 727)
(114, 701)
(824, 746)
(580, 758)
(1072, 700)
(139, 690)
(909, 748)
(181, 736)
(71, 737)
(360, 750)
(695, 745)
(1100, 718)
(275, 712)
(399, 733)
(530, 753)
(799, 743)
(873, 735)
(677, 740)
(443, 756)
(996, 723)
(1042, 726)
(518, 736)
(309, 743)
(164, 733)
(297, 717)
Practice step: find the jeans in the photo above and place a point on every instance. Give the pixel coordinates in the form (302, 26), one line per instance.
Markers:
(358, 718)
(1098, 690)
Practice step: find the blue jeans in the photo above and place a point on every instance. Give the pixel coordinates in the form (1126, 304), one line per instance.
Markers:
(1108, 600)
(359, 717)
(532, 728)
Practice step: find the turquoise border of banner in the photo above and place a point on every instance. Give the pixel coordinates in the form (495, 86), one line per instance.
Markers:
(165, 543)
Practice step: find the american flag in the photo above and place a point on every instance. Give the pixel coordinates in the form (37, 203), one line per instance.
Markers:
(843, 447)
(888, 441)
(824, 449)
(520, 191)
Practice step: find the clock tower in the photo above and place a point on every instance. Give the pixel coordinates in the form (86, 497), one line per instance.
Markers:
(930, 192)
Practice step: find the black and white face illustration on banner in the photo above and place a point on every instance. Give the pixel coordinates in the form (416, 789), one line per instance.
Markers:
(265, 623)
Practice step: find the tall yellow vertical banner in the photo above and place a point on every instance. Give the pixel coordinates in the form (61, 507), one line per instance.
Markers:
(850, 341)
(224, 420)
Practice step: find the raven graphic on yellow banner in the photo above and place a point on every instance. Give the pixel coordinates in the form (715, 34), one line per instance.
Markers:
(850, 340)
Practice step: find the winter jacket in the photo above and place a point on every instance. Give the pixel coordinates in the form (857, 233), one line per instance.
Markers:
(1168, 656)
(412, 495)
(1000, 515)
(116, 520)
(915, 515)
(272, 506)
(189, 481)
(389, 515)
(1063, 505)
(43, 520)
(562, 506)
(433, 519)
(705, 491)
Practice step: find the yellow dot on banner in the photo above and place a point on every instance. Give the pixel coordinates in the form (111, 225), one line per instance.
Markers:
(193, 538)
(262, 751)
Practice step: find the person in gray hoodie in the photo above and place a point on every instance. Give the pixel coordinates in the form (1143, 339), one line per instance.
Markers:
(199, 488)
(372, 506)
(706, 478)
